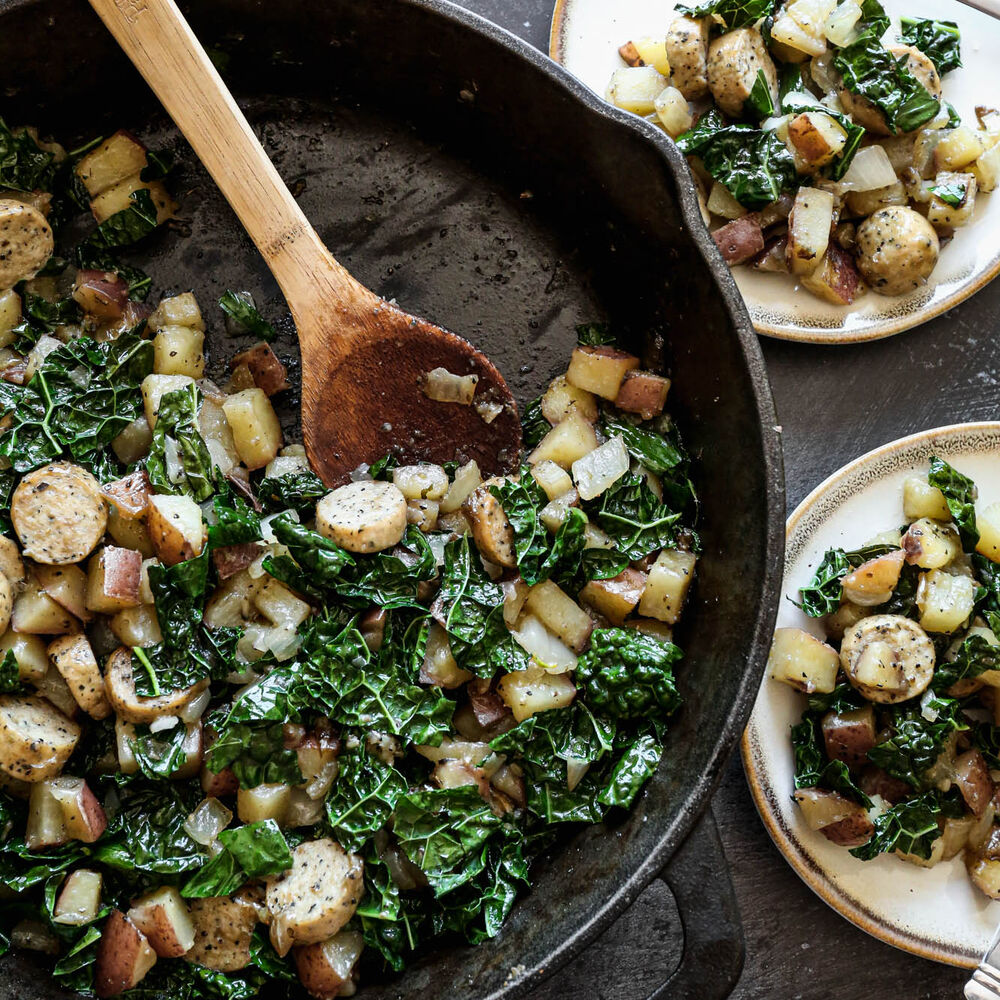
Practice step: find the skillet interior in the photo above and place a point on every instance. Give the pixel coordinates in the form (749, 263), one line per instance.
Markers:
(456, 170)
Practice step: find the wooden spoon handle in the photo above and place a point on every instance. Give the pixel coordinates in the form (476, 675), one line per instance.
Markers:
(162, 47)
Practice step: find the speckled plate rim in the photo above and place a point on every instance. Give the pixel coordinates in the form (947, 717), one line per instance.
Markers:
(820, 335)
(902, 453)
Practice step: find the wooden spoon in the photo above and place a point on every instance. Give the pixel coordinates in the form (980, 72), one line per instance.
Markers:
(363, 359)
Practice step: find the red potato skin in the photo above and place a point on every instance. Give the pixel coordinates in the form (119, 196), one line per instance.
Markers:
(806, 139)
(317, 978)
(267, 371)
(94, 820)
(840, 276)
(231, 559)
(847, 740)
(129, 496)
(629, 584)
(122, 573)
(875, 781)
(114, 967)
(643, 393)
(101, 293)
(850, 832)
(773, 258)
(740, 239)
(487, 705)
(973, 779)
(221, 785)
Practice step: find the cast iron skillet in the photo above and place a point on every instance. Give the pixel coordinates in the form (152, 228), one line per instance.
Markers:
(449, 164)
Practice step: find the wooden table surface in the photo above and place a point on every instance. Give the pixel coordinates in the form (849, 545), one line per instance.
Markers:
(833, 404)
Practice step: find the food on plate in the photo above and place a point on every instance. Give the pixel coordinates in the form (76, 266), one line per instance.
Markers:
(822, 145)
(898, 749)
(255, 728)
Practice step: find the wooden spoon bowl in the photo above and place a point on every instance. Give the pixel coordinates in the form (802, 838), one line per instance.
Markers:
(364, 360)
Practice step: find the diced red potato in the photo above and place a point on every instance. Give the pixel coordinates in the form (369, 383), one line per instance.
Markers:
(268, 801)
(30, 653)
(83, 816)
(113, 578)
(177, 310)
(930, 544)
(36, 739)
(617, 597)
(562, 398)
(487, 706)
(840, 820)
(66, 585)
(136, 626)
(268, 373)
(231, 559)
(101, 293)
(119, 198)
(255, 427)
(527, 692)
(809, 227)
(740, 239)
(221, 784)
(59, 513)
(773, 258)
(667, 585)
(836, 278)
(223, 928)
(120, 686)
(560, 614)
(314, 900)
(35, 613)
(162, 915)
(79, 899)
(175, 528)
(875, 781)
(849, 736)
(873, 581)
(26, 242)
(124, 956)
(325, 968)
(643, 393)
(118, 157)
(74, 658)
(816, 136)
(491, 529)
(972, 776)
(802, 661)
(600, 370)
(568, 441)
(129, 496)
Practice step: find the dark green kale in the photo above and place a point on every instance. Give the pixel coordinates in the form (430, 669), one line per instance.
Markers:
(940, 41)
(812, 767)
(760, 104)
(755, 166)
(80, 399)
(161, 754)
(179, 462)
(93, 257)
(732, 13)
(960, 494)
(256, 753)
(363, 798)
(39, 317)
(628, 675)
(975, 656)
(796, 103)
(634, 518)
(594, 335)
(130, 224)
(297, 491)
(236, 522)
(249, 851)
(910, 827)
(872, 72)
(10, 675)
(24, 165)
(534, 426)
(950, 194)
(239, 306)
(821, 596)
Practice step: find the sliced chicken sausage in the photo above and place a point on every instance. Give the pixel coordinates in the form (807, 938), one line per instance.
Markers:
(25, 242)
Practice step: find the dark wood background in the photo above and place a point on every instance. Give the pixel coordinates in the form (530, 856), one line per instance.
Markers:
(833, 404)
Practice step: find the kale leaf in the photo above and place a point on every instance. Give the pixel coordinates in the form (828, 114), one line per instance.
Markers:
(40, 316)
(634, 518)
(256, 753)
(297, 491)
(940, 41)
(80, 399)
(731, 13)
(236, 522)
(594, 335)
(910, 827)
(363, 798)
(872, 72)
(950, 194)
(24, 165)
(10, 675)
(91, 256)
(754, 165)
(960, 494)
(813, 769)
(130, 224)
(975, 656)
(629, 675)
(239, 306)
(821, 596)
(176, 435)
(160, 754)
(534, 426)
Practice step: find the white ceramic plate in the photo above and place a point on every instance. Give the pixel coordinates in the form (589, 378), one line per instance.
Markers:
(585, 39)
(935, 912)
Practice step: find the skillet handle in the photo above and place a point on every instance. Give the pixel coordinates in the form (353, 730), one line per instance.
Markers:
(713, 955)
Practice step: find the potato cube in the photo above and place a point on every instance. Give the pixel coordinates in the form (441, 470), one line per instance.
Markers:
(554, 480)
(114, 160)
(177, 310)
(817, 137)
(561, 399)
(268, 373)
(653, 52)
(986, 170)
(439, 667)
(569, 440)
(921, 500)
(137, 626)
(79, 899)
(83, 816)
(119, 198)
(787, 31)
(943, 215)
(155, 387)
(101, 293)
(667, 585)
(256, 431)
(945, 601)
(423, 514)
(930, 544)
(179, 350)
(467, 478)
(617, 597)
(30, 655)
(66, 585)
(162, 915)
(36, 613)
(560, 614)
(802, 661)
(835, 279)
(269, 801)
(643, 393)
(10, 316)
(113, 579)
(527, 692)
(421, 482)
(175, 528)
(809, 229)
(959, 147)
(673, 111)
(723, 204)
(124, 956)
(635, 89)
(988, 523)
(601, 468)
(600, 370)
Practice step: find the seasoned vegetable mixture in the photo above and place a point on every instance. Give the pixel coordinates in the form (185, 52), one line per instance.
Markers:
(255, 732)
(899, 748)
(821, 143)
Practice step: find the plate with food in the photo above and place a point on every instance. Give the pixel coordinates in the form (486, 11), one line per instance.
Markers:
(872, 749)
(246, 718)
(844, 153)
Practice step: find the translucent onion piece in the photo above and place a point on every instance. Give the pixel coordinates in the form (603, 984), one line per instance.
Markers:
(208, 820)
(869, 170)
(550, 652)
(600, 469)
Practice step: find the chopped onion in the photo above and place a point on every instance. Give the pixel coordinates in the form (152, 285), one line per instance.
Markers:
(362, 474)
(175, 471)
(467, 478)
(195, 708)
(208, 820)
(821, 68)
(869, 170)
(303, 810)
(575, 770)
(446, 387)
(488, 412)
(468, 752)
(601, 468)
(549, 652)
(840, 27)
(221, 458)
(515, 593)
(162, 723)
(926, 709)
(44, 346)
